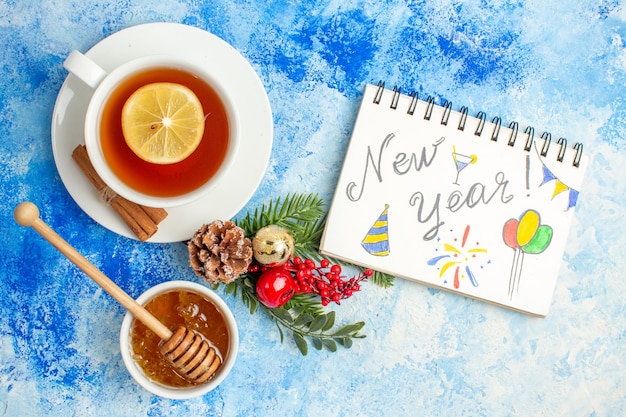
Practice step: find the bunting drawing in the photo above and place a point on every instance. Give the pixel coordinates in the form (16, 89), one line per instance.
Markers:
(559, 187)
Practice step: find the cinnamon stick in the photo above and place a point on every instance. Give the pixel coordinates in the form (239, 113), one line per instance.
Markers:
(142, 220)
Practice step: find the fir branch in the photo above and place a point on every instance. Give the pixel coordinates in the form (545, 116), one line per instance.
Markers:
(303, 215)
(316, 329)
(382, 280)
(308, 240)
(303, 316)
(305, 304)
(294, 212)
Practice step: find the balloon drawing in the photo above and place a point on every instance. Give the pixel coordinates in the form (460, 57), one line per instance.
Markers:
(524, 235)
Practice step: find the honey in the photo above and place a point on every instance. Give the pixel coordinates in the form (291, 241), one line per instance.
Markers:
(174, 308)
(167, 180)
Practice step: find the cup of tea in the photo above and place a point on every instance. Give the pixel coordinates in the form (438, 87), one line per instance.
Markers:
(125, 171)
(175, 303)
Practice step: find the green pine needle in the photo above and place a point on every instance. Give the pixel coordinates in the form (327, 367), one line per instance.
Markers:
(381, 279)
(295, 213)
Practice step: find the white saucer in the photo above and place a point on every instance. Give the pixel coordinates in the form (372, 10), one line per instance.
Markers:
(239, 77)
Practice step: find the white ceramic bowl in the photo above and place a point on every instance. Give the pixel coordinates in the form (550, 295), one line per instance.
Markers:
(175, 392)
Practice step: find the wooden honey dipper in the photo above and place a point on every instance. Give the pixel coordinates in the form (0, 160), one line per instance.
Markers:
(189, 354)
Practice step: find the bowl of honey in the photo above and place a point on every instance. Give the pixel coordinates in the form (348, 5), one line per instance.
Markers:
(176, 303)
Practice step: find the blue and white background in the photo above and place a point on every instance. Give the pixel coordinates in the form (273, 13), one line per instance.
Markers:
(559, 66)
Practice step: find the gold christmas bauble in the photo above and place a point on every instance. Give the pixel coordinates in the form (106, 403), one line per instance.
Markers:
(272, 246)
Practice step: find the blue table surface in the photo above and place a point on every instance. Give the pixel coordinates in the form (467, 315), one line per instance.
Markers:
(559, 66)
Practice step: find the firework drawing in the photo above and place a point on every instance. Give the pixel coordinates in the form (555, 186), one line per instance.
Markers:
(458, 259)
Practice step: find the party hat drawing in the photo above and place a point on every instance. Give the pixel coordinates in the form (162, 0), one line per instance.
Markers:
(376, 242)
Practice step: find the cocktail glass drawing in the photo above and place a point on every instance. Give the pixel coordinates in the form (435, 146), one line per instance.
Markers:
(461, 162)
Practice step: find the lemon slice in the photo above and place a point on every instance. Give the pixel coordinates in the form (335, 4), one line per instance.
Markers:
(163, 123)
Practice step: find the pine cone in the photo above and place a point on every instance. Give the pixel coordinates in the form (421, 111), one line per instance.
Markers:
(220, 252)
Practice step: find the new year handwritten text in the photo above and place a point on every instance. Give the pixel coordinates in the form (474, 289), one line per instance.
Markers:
(428, 207)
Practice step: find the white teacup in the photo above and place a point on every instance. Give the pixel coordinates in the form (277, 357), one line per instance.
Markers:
(109, 86)
(167, 391)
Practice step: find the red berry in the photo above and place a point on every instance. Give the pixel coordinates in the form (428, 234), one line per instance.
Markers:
(305, 276)
(275, 287)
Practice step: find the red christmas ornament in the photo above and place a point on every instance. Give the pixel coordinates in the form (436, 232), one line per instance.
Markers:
(275, 287)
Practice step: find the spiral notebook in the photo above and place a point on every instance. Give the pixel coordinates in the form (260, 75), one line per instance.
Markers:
(458, 202)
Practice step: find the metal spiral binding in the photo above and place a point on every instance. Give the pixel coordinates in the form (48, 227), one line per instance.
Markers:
(530, 131)
(563, 143)
(578, 147)
(429, 108)
(395, 98)
(496, 130)
(547, 140)
(463, 120)
(513, 126)
(413, 103)
(379, 92)
(447, 109)
(482, 119)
